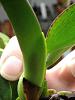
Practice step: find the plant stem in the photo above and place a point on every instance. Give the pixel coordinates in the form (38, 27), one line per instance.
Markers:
(31, 91)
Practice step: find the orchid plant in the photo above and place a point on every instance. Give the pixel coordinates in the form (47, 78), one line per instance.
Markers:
(39, 52)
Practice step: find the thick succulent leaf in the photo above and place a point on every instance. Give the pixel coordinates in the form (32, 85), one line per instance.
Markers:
(5, 90)
(3, 40)
(30, 37)
(61, 35)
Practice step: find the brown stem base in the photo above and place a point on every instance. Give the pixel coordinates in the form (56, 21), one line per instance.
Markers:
(31, 91)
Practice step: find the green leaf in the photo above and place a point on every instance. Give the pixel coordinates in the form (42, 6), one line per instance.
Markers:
(21, 93)
(14, 89)
(1, 50)
(5, 90)
(3, 41)
(18, 98)
(43, 89)
(30, 37)
(2, 45)
(4, 38)
(61, 35)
